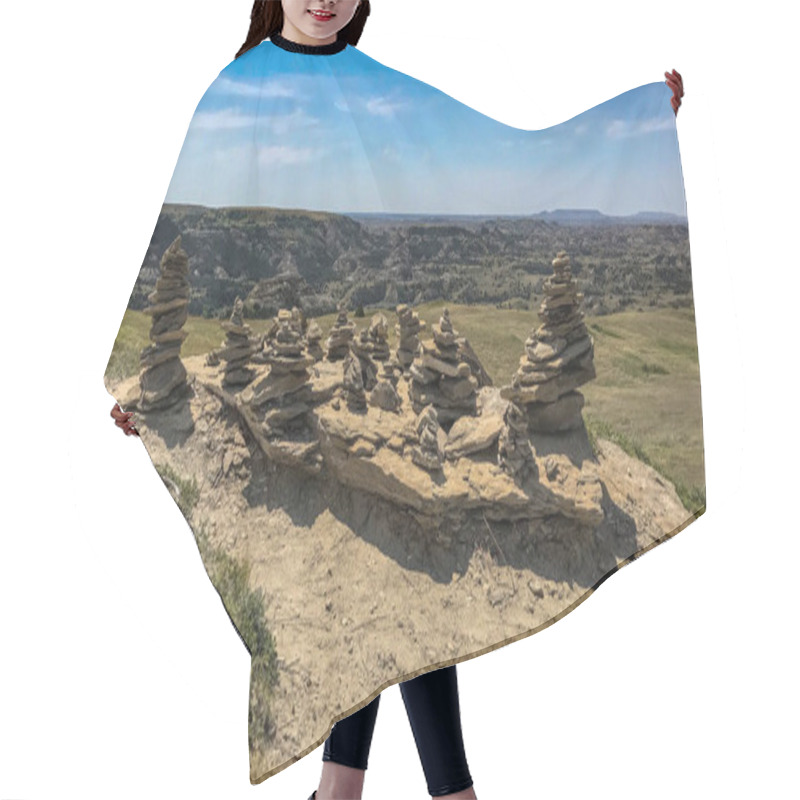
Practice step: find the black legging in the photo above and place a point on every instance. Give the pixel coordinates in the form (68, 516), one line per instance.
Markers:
(432, 706)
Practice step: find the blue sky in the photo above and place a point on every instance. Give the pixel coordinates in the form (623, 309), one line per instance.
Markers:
(343, 132)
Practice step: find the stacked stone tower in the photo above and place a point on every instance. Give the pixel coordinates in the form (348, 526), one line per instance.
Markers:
(238, 349)
(559, 356)
(313, 338)
(408, 329)
(283, 396)
(378, 333)
(342, 332)
(163, 377)
(440, 378)
(361, 347)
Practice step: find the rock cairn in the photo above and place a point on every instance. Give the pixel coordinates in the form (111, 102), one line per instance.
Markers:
(429, 454)
(439, 377)
(408, 329)
(313, 339)
(283, 395)
(342, 333)
(163, 377)
(353, 384)
(559, 356)
(378, 333)
(361, 349)
(515, 454)
(385, 394)
(239, 348)
(264, 344)
(298, 320)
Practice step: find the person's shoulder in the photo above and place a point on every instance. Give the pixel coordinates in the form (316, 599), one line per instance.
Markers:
(251, 61)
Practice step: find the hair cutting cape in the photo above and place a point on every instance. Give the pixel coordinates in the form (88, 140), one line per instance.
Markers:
(418, 380)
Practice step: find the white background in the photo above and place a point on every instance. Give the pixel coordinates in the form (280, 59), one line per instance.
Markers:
(120, 673)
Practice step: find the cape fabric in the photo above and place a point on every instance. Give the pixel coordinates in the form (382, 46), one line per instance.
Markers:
(419, 381)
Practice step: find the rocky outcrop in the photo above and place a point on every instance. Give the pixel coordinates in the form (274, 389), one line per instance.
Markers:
(163, 379)
(559, 356)
(428, 440)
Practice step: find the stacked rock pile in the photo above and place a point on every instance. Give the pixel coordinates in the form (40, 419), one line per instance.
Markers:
(163, 376)
(283, 395)
(361, 349)
(385, 394)
(515, 454)
(342, 332)
(408, 329)
(238, 349)
(378, 333)
(559, 356)
(429, 454)
(440, 378)
(313, 339)
(353, 384)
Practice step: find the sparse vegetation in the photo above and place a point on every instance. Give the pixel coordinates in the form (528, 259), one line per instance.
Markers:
(593, 326)
(184, 491)
(244, 606)
(692, 497)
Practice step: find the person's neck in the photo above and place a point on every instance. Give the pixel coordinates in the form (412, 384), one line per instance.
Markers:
(327, 48)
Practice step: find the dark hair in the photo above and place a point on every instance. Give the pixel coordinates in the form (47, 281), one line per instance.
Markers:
(266, 18)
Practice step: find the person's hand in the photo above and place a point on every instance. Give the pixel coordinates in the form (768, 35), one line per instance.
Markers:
(123, 419)
(675, 82)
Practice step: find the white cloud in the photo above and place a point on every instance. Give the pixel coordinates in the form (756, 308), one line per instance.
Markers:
(381, 107)
(274, 87)
(285, 124)
(223, 119)
(623, 128)
(280, 155)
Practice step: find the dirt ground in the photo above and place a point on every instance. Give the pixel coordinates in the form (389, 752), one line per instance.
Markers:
(353, 614)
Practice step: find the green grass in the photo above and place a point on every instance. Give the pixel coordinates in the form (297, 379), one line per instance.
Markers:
(646, 396)
(245, 606)
(692, 496)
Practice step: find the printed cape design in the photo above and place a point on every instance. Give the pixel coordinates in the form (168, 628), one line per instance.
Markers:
(419, 381)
